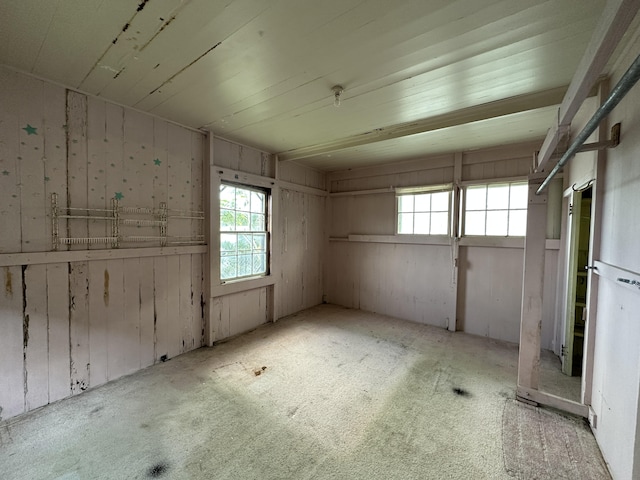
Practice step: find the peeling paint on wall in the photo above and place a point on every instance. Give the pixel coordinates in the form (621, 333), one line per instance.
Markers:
(106, 287)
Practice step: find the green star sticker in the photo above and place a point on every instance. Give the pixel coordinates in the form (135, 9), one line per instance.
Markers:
(157, 161)
(30, 130)
(5, 172)
(119, 196)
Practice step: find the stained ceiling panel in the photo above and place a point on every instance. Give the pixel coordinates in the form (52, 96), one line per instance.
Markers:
(261, 72)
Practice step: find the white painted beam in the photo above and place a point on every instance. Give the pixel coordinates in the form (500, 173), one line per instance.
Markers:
(476, 113)
(616, 18)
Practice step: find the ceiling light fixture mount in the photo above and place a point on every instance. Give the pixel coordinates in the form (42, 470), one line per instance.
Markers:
(337, 94)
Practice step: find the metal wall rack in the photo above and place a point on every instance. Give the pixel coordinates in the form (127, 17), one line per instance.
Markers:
(118, 216)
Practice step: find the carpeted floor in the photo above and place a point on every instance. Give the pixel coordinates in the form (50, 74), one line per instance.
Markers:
(329, 393)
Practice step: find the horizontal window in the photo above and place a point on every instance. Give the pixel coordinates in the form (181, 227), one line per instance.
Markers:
(424, 212)
(495, 210)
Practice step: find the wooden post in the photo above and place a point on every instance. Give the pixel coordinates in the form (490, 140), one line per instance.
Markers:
(532, 288)
(212, 220)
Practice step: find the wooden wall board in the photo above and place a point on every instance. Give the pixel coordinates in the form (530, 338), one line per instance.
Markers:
(32, 140)
(79, 325)
(179, 177)
(128, 332)
(160, 162)
(161, 308)
(58, 322)
(55, 154)
(97, 165)
(185, 310)
(119, 342)
(36, 337)
(99, 302)
(12, 339)
(173, 325)
(77, 162)
(138, 165)
(197, 284)
(246, 310)
(196, 192)
(10, 99)
(147, 334)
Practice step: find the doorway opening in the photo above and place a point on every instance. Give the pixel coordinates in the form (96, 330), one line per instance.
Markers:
(576, 308)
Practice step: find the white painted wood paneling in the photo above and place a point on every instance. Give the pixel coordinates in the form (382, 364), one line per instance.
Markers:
(36, 336)
(57, 297)
(99, 306)
(79, 326)
(11, 354)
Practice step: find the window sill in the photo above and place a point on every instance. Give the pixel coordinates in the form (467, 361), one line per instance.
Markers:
(242, 285)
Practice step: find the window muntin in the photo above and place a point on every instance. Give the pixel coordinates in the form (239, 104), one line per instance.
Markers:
(496, 210)
(243, 232)
(424, 213)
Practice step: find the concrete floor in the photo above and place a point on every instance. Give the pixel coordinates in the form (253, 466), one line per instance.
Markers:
(327, 393)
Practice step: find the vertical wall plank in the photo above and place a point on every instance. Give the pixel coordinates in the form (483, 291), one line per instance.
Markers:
(99, 301)
(160, 307)
(97, 166)
(114, 154)
(55, 152)
(34, 234)
(58, 320)
(77, 162)
(146, 349)
(179, 187)
(11, 335)
(117, 341)
(160, 162)
(185, 309)
(79, 325)
(36, 337)
(129, 329)
(10, 99)
(196, 193)
(197, 317)
(174, 330)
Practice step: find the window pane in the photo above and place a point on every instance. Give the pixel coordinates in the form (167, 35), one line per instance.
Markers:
(518, 197)
(440, 202)
(421, 225)
(405, 223)
(497, 222)
(257, 202)
(257, 222)
(259, 242)
(422, 203)
(245, 263)
(227, 196)
(497, 198)
(242, 199)
(259, 263)
(405, 203)
(244, 243)
(227, 220)
(518, 223)
(242, 221)
(474, 223)
(228, 243)
(476, 198)
(439, 223)
(228, 267)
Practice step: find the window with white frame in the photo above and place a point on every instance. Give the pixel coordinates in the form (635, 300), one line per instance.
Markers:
(424, 211)
(243, 232)
(498, 209)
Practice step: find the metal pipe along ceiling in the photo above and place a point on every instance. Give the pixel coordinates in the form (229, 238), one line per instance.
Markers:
(628, 80)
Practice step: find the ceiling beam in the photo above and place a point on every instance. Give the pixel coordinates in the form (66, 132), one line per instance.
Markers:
(615, 19)
(476, 113)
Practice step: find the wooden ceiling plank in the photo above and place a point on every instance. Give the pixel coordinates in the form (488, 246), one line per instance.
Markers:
(613, 24)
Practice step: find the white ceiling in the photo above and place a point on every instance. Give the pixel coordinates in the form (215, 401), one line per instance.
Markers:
(419, 76)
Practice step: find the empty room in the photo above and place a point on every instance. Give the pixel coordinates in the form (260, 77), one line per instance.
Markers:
(296, 239)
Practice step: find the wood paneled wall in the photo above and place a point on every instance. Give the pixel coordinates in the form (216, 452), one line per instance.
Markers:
(76, 319)
(369, 268)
